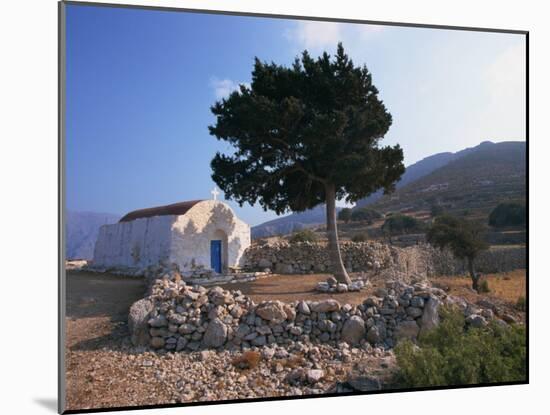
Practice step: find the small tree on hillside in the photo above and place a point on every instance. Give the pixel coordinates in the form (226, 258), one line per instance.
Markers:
(464, 238)
(305, 135)
(399, 224)
(436, 210)
(365, 214)
(345, 215)
(508, 214)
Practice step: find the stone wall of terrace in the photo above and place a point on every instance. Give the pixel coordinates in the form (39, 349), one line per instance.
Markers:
(419, 260)
(179, 317)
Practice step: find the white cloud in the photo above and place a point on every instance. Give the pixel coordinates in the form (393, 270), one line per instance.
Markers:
(313, 35)
(506, 75)
(223, 87)
(508, 69)
(446, 90)
(344, 204)
(318, 36)
(506, 84)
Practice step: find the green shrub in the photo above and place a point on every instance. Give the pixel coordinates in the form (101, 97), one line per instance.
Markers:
(521, 304)
(398, 224)
(436, 210)
(345, 215)
(508, 214)
(483, 287)
(305, 235)
(359, 237)
(452, 355)
(365, 215)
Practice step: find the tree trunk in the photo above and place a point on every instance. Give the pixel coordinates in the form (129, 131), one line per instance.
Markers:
(337, 266)
(473, 275)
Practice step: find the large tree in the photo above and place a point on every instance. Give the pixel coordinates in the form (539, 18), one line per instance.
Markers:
(305, 135)
(464, 238)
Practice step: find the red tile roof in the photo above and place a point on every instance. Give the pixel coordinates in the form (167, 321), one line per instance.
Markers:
(174, 209)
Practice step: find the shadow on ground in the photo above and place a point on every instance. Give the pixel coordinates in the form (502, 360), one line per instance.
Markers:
(97, 309)
(48, 403)
(100, 295)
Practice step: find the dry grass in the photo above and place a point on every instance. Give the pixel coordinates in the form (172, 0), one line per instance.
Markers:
(293, 287)
(248, 360)
(293, 362)
(506, 286)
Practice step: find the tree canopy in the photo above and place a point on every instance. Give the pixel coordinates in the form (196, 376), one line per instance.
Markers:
(304, 135)
(462, 237)
(297, 129)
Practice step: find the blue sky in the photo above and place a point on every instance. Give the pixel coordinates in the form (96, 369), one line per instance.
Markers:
(140, 85)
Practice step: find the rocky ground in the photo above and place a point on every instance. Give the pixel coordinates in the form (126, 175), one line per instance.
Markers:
(105, 370)
(126, 377)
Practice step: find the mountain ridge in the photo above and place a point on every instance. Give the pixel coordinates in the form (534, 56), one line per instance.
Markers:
(478, 180)
(82, 228)
(422, 168)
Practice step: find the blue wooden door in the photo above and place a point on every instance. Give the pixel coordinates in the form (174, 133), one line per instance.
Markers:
(216, 256)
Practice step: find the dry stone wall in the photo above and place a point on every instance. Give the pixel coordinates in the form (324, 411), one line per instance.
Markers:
(494, 260)
(306, 257)
(179, 317)
(419, 260)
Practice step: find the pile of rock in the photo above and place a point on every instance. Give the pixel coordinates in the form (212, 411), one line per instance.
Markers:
(177, 317)
(200, 276)
(75, 264)
(331, 285)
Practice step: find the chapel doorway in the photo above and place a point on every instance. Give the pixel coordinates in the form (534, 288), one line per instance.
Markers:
(218, 252)
(216, 255)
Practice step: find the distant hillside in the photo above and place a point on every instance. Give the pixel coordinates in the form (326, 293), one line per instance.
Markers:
(297, 221)
(290, 223)
(82, 231)
(417, 170)
(473, 168)
(478, 180)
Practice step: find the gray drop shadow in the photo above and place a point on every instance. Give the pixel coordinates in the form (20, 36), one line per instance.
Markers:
(48, 403)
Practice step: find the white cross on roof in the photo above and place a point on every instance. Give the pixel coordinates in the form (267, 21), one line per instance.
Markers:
(215, 192)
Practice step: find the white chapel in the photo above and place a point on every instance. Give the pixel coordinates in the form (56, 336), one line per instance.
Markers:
(193, 234)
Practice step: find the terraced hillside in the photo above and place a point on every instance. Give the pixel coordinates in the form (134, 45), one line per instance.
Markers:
(472, 184)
